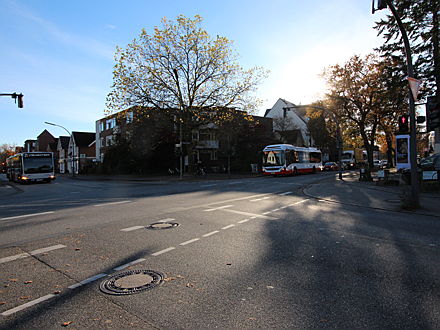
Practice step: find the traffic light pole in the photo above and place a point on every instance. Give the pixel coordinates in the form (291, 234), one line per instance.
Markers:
(16, 96)
(413, 201)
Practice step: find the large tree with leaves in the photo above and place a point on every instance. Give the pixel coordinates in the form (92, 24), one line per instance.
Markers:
(421, 19)
(180, 66)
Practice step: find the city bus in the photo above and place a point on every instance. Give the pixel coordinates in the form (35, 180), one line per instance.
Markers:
(286, 159)
(30, 166)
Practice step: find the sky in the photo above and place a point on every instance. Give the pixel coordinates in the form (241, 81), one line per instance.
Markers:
(60, 54)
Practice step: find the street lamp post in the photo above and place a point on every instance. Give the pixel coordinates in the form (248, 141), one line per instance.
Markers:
(180, 124)
(73, 149)
(414, 200)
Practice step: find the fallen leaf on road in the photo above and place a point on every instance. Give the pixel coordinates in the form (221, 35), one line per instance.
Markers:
(13, 280)
(269, 287)
(57, 292)
(77, 249)
(27, 282)
(2, 302)
(168, 279)
(65, 324)
(6, 285)
(24, 297)
(68, 265)
(108, 321)
(189, 285)
(228, 264)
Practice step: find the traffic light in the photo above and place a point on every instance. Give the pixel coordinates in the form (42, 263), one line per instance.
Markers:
(20, 100)
(381, 4)
(432, 114)
(403, 124)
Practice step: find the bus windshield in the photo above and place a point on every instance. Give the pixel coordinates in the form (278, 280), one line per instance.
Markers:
(37, 165)
(273, 158)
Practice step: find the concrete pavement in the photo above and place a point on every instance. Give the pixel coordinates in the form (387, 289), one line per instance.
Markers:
(351, 191)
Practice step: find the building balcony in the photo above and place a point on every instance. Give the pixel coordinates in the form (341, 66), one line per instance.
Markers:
(207, 144)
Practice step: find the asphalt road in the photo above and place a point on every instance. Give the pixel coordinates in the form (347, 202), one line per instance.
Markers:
(246, 253)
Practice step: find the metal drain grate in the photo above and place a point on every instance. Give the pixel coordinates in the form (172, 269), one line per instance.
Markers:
(131, 282)
(162, 225)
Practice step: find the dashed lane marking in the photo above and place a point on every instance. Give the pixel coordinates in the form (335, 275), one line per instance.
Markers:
(88, 280)
(163, 251)
(128, 264)
(211, 233)
(229, 226)
(112, 203)
(243, 221)
(252, 215)
(28, 304)
(132, 228)
(190, 241)
(286, 193)
(26, 215)
(32, 253)
(259, 199)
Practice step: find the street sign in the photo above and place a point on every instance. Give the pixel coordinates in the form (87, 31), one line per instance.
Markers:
(414, 85)
(402, 152)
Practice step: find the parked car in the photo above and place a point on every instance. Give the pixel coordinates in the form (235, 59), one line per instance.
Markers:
(331, 166)
(431, 163)
(377, 164)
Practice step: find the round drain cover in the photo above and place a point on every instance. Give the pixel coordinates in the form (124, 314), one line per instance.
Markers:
(162, 225)
(131, 282)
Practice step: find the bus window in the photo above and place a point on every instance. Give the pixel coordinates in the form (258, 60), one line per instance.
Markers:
(273, 158)
(303, 157)
(315, 157)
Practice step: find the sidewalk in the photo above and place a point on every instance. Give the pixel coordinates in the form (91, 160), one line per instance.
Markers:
(351, 191)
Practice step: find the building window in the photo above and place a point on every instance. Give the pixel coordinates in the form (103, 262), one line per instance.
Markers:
(110, 123)
(129, 117)
(101, 126)
(109, 140)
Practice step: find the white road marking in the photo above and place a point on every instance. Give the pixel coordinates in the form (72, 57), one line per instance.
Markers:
(28, 304)
(266, 212)
(32, 253)
(166, 220)
(252, 215)
(286, 193)
(211, 233)
(87, 280)
(209, 185)
(218, 208)
(134, 262)
(163, 251)
(112, 203)
(304, 200)
(259, 199)
(236, 182)
(132, 228)
(190, 241)
(26, 215)
(243, 221)
(229, 226)
(274, 210)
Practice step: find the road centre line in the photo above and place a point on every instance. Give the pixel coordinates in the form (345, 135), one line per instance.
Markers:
(32, 253)
(211, 233)
(28, 304)
(112, 203)
(243, 221)
(128, 264)
(218, 208)
(229, 226)
(26, 215)
(286, 193)
(132, 228)
(163, 251)
(87, 280)
(190, 241)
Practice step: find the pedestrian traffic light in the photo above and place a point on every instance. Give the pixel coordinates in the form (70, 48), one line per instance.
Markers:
(403, 124)
(432, 114)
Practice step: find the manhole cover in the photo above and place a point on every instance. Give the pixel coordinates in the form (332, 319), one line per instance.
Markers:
(131, 282)
(162, 225)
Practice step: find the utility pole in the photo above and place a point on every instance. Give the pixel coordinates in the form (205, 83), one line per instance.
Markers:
(413, 202)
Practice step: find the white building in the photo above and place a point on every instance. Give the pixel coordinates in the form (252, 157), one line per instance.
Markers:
(290, 123)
